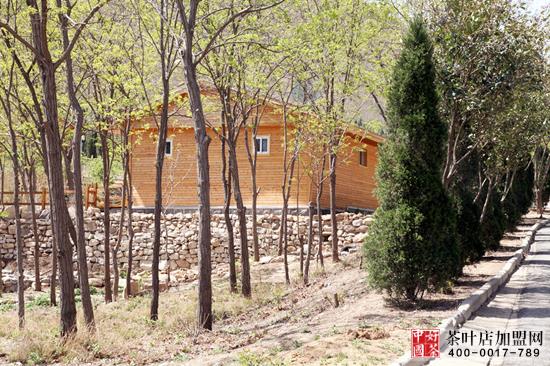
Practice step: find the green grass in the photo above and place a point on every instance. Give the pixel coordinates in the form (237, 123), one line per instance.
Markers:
(248, 358)
(333, 359)
(95, 291)
(7, 305)
(182, 357)
(35, 359)
(41, 300)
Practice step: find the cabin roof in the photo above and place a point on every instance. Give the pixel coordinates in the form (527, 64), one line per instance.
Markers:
(180, 116)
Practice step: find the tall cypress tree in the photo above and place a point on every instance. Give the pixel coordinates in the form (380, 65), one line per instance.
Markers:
(411, 245)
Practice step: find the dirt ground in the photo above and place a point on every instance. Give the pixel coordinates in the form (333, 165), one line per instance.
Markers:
(294, 325)
(306, 328)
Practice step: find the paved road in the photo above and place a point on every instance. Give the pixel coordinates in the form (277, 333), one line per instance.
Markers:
(523, 304)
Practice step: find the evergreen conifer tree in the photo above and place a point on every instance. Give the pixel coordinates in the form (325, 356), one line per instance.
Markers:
(411, 245)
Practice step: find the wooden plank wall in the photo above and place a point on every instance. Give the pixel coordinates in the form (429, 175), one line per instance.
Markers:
(180, 170)
(355, 184)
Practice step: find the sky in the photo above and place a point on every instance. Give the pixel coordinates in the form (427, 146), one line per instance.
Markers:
(536, 5)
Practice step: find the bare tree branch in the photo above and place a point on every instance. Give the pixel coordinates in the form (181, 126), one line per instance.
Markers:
(77, 34)
(17, 36)
(229, 20)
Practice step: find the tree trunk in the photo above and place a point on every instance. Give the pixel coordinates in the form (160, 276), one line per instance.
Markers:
(32, 188)
(159, 164)
(487, 203)
(55, 243)
(106, 215)
(284, 223)
(301, 241)
(286, 187)
(53, 275)
(252, 159)
(380, 108)
(449, 161)
(76, 182)
(226, 180)
(18, 233)
(2, 177)
(539, 201)
(540, 171)
(241, 212)
(128, 290)
(298, 215)
(309, 243)
(29, 176)
(67, 157)
(51, 151)
(231, 249)
(87, 305)
(119, 236)
(281, 234)
(18, 240)
(320, 226)
(166, 247)
(202, 142)
(56, 188)
(255, 239)
(334, 222)
(2, 180)
(122, 214)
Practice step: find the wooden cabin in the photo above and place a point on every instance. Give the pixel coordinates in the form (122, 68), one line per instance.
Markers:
(355, 171)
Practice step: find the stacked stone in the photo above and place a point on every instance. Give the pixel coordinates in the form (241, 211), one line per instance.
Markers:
(179, 237)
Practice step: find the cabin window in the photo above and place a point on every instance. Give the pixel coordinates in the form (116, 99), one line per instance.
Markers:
(168, 147)
(363, 158)
(262, 145)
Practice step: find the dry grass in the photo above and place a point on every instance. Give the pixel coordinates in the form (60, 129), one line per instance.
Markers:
(280, 325)
(124, 331)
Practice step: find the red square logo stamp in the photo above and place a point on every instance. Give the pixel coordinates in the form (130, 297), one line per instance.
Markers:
(424, 343)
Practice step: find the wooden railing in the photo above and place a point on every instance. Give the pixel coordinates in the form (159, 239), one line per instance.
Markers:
(41, 197)
(41, 201)
(90, 196)
(95, 199)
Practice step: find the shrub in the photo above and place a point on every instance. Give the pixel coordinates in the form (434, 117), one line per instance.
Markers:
(504, 214)
(470, 246)
(475, 238)
(412, 245)
(42, 300)
(520, 197)
(495, 223)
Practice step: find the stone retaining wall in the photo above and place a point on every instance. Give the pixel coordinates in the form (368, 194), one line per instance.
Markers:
(179, 237)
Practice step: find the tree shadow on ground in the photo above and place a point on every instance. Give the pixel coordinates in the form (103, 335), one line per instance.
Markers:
(441, 304)
(495, 258)
(476, 281)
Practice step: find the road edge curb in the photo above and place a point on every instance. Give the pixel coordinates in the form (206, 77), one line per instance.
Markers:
(478, 297)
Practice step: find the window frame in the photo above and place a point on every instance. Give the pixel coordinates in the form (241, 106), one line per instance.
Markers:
(82, 144)
(170, 141)
(363, 162)
(261, 137)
